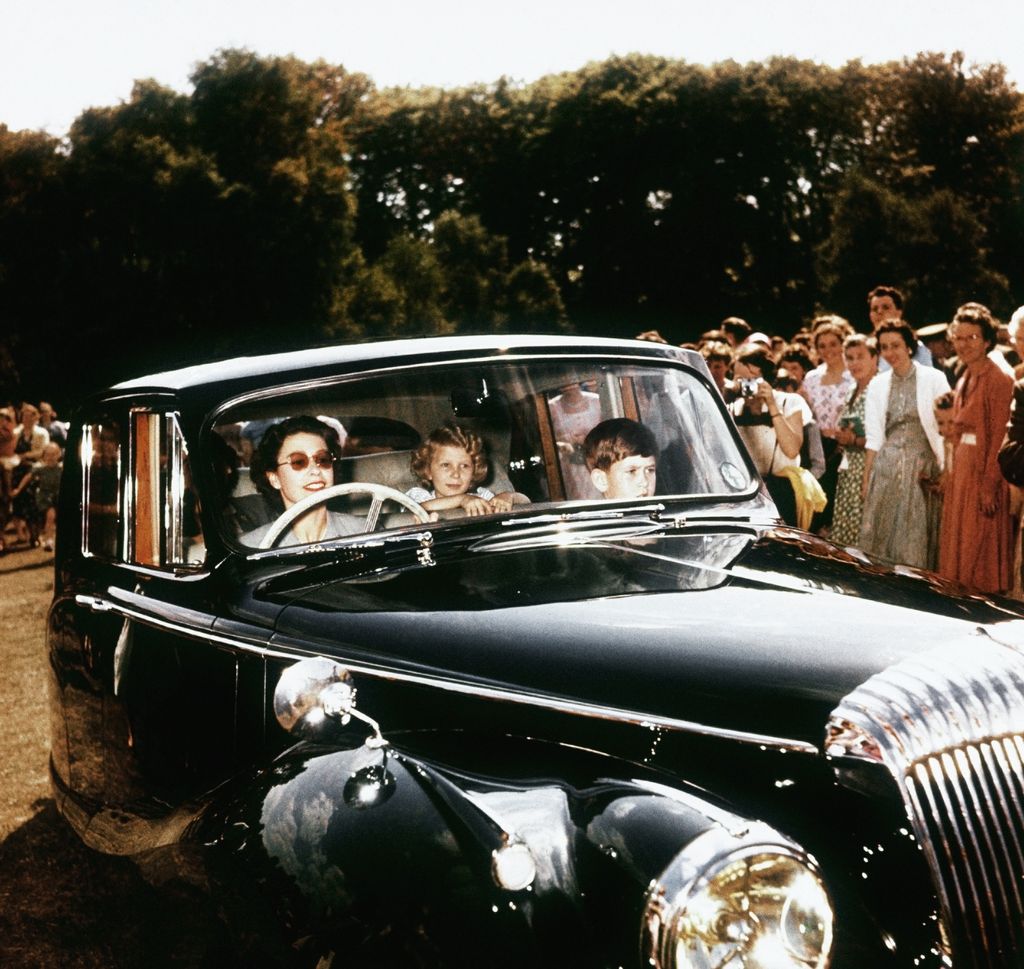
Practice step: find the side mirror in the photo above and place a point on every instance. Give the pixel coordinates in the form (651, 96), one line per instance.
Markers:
(315, 697)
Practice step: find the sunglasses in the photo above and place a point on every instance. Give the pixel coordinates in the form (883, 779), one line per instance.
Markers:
(299, 461)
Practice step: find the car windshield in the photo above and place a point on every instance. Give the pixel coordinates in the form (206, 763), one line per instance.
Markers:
(434, 443)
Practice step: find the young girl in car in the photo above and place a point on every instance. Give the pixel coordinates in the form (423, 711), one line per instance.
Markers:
(450, 465)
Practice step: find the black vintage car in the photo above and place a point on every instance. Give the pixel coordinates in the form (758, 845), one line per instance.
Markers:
(563, 725)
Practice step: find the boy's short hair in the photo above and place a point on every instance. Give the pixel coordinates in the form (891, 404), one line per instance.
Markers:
(891, 291)
(450, 435)
(616, 439)
(945, 400)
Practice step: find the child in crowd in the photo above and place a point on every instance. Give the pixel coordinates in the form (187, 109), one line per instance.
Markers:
(943, 407)
(947, 428)
(621, 458)
(47, 476)
(23, 504)
(450, 465)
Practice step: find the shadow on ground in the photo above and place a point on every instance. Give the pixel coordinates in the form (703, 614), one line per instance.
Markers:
(65, 906)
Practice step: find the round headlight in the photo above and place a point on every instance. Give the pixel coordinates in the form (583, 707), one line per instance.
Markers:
(755, 905)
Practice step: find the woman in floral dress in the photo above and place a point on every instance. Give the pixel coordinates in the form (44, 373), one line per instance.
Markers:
(861, 355)
(826, 388)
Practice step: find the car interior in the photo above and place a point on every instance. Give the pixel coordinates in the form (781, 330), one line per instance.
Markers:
(382, 420)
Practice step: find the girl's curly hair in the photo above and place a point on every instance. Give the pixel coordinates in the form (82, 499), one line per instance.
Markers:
(450, 435)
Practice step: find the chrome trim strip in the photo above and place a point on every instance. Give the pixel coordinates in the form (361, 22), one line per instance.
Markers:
(295, 651)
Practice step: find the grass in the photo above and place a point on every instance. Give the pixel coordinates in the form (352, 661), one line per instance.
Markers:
(61, 905)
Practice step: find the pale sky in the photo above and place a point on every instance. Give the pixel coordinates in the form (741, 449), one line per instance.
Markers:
(58, 57)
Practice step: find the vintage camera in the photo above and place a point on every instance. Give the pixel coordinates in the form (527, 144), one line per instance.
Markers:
(748, 387)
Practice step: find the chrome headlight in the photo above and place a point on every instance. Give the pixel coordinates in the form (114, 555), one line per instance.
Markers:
(755, 901)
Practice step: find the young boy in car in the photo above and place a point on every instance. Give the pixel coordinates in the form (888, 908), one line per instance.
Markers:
(621, 457)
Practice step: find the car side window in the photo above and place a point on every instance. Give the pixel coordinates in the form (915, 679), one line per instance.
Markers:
(102, 534)
(164, 529)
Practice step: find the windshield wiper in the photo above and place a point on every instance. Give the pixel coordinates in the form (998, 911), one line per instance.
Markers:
(349, 548)
(651, 511)
(547, 531)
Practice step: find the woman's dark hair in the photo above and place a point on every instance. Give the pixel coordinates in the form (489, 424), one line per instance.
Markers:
(755, 355)
(980, 316)
(264, 458)
(737, 328)
(795, 353)
(905, 330)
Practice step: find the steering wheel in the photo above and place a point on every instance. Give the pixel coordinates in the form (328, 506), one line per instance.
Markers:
(380, 493)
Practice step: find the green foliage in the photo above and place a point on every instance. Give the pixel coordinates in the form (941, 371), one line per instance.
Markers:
(33, 271)
(935, 247)
(455, 280)
(660, 193)
(283, 203)
(533, 301)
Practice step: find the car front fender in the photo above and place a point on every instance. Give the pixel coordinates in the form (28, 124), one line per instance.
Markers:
(395, 857)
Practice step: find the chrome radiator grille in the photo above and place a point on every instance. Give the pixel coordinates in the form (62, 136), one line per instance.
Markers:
(949, 726)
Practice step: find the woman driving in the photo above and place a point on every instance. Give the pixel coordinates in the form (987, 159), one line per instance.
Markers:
(295, 459)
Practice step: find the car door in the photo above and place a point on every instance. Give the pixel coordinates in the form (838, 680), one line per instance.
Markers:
(149, 694)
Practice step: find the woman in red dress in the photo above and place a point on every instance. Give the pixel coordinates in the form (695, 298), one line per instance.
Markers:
(976, 542)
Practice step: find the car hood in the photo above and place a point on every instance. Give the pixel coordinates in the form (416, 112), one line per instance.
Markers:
(760, 631)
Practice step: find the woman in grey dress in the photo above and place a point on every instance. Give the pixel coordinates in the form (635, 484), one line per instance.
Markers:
(903, 447)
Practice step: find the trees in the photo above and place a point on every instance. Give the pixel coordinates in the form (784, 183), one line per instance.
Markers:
(210, 223)
(282, 202)
(660, 193)
(932, 200)
(32, 266)
(455, 279)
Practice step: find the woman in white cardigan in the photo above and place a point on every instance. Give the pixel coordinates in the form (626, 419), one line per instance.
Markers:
(903, 447)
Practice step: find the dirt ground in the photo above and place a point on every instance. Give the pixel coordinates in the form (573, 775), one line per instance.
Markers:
(61, 905)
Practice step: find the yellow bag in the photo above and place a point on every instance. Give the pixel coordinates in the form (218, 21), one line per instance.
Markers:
(809, 495)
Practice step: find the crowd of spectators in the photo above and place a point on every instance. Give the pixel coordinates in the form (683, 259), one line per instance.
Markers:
(887, 441)
(32, 442)
(891, 441)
